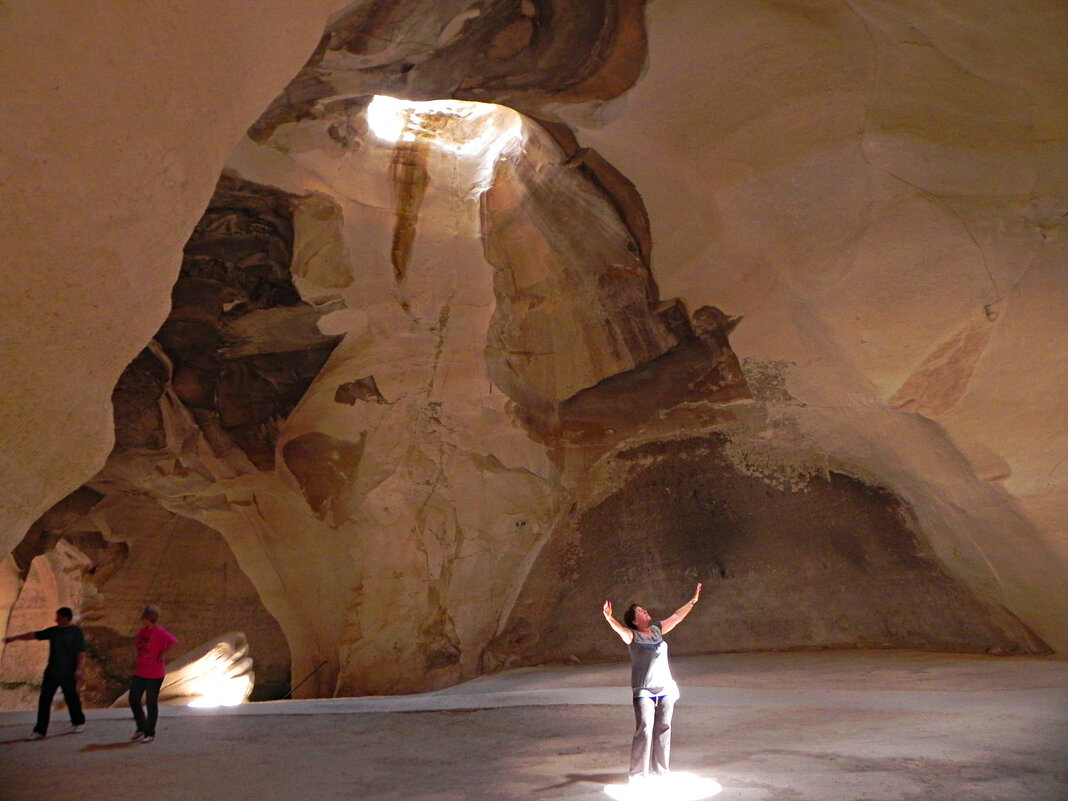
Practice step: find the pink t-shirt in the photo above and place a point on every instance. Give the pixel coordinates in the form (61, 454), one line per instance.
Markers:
(151, 643)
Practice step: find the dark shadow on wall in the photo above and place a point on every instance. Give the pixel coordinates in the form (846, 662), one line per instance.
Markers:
(832, 563)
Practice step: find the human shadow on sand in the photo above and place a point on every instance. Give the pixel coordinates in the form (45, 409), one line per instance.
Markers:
(590, 778)
(111, 746)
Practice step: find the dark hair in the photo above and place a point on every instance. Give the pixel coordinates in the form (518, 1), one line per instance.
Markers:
(151, 612)
(628, 616)
(66, 612)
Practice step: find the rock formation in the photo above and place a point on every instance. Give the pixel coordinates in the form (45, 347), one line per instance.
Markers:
(756, 294)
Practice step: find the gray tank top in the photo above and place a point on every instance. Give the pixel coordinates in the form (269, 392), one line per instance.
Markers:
(650, 675)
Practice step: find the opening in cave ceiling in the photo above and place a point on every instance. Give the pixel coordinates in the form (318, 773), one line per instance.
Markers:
(464, 127)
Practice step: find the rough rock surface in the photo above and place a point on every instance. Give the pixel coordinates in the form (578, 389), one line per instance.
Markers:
(426, 387)
(109, 161)
(849, 571)
(897, 256)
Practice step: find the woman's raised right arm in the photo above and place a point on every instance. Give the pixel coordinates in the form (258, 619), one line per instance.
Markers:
(624, 633)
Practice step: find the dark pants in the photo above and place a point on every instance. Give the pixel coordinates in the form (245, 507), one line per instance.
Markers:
(49, 685)
(650, 751)
(150, 689)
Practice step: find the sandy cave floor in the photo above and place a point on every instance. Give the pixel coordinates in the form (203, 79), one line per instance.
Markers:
(789, 727)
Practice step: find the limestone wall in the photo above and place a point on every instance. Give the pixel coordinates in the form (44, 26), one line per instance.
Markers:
(877, 190)
(117, 122)
(817, 245)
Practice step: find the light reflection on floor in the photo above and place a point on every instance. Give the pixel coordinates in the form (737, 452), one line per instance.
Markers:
(672, 787)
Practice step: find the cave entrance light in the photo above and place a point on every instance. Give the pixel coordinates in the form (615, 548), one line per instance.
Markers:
(470, 130)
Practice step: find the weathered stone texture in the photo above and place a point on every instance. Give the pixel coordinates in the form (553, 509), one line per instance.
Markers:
(825, 561)
(428, 391)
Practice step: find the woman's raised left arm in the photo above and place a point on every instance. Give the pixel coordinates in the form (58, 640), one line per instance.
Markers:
(679, 614)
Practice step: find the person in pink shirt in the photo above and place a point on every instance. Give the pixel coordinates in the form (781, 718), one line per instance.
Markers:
(152, 643)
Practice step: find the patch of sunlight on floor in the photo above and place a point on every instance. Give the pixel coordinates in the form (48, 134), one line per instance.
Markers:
(672, 787)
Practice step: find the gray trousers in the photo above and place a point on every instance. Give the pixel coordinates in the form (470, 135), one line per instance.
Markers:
(650, 750)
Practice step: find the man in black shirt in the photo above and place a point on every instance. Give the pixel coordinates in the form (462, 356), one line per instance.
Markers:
(66, 658)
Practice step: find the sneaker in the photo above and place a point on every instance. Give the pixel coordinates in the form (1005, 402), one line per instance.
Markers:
(35, 736)
(147, 738)
(137, 735)
(78, 729)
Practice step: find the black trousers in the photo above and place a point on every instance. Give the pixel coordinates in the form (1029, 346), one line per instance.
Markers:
(650, 751)
(149, 688)
(49, 684)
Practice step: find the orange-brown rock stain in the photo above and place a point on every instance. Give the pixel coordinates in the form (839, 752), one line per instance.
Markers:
(409, 175)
